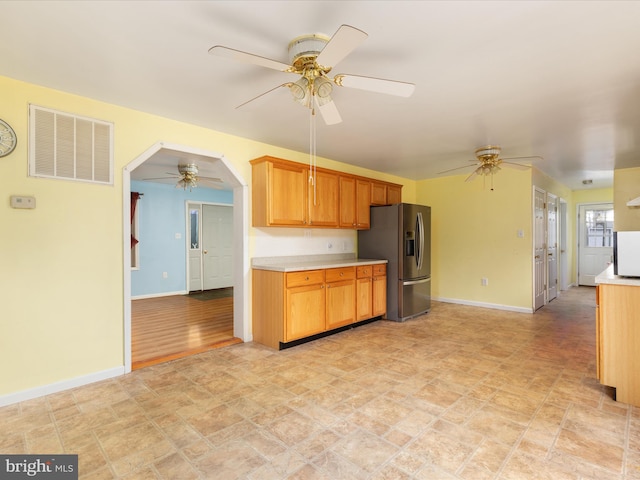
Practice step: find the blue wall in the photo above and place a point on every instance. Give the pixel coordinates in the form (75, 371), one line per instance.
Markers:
(161, 214)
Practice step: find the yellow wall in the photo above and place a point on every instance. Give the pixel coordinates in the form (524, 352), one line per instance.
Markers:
(626, 187)
(62, 276)
(475, 235)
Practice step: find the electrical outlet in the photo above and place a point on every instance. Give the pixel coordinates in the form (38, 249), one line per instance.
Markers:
(484, 281)
(165, 275)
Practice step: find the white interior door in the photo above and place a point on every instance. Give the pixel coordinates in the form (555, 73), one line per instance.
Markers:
(539, 233)
(564, 258)
(595, 241)
(217, 246)
(552, 247)
(194, 252)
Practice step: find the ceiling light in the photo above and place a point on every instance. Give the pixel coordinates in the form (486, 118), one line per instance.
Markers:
(300, 91)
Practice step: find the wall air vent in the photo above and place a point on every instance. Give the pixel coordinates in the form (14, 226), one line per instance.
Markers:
(69, 147)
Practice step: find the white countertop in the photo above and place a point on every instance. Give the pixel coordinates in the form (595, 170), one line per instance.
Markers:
(607, 277)
(312, 262)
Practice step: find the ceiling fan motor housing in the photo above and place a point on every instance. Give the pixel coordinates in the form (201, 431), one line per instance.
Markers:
(304, 50)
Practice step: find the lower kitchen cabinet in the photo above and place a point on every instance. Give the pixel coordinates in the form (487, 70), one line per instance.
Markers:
(379, 300)
(289, 307)
(618, 340)
(341, 297)
(371, 291)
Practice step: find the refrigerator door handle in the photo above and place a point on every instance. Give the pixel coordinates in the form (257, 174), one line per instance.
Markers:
(416, 282)
(420, 234)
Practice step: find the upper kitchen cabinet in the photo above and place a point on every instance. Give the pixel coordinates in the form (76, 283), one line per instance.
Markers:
(324, 200)
(285, 195)
(279, 193)
(385, 193)
(355, 200)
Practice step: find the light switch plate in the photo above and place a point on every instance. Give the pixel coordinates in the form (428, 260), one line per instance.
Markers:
(20, 201)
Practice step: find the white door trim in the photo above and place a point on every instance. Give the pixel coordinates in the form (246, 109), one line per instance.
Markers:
(241, 265)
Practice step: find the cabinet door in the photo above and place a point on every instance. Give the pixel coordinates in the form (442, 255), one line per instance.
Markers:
(363, 203)
(341, 303)
(364, 292)
(305, 311)
(378, 193)
(287, 196)
(379, 295)
(394, 195)
(323, 200)
(347, 202)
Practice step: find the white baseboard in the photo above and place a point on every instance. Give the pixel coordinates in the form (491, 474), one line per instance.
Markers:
(495, 306)
(59, 386)
(157, 295)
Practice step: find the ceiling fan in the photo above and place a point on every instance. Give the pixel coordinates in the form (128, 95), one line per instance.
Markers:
(312, 57)
(488, 163)
(187, 176)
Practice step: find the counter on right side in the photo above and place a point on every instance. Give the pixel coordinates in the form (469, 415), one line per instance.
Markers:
(618, 335)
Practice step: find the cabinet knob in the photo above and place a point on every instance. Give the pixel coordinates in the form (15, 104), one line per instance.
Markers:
(342, 274)
(306, 278)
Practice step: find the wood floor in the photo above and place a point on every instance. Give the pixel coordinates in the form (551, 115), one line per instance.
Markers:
(166, 328)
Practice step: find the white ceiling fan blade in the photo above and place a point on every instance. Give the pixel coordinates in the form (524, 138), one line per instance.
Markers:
(329, 112)
(517, 166)
(343, 42)
(453, 169)
(263, 94)
(210, 179)
(380, 85)
(473, 175)
(234, 54)
(522, 158)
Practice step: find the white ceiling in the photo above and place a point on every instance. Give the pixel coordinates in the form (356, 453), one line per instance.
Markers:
(551, 78)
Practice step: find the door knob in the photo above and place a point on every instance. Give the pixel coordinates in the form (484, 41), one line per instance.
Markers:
(205, 252)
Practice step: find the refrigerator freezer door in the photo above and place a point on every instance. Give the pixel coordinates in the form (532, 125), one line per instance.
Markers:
(414, 298)
(415, 260)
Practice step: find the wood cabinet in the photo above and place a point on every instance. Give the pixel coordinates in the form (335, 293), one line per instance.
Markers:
(284, 195)
(279, 194)
(379, 290)
(385, 193)
(618, 340)
(324, 200)
(364, 292)
(371, 291)
(355, 201)
(341, 297)
(394, 194)
(291, 306)
(305, 304)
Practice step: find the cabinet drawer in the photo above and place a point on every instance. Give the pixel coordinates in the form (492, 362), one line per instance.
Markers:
(380, 269)
(364, 271)
(337, 274)
(308, 277)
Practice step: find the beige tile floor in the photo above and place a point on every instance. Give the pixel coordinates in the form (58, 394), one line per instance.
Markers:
(461, 393)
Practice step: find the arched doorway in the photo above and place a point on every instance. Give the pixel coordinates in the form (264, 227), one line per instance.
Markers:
(241, 320)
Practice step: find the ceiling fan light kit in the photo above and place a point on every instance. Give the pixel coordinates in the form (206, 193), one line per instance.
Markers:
(312, 57)
(189, 172)
(489, 161)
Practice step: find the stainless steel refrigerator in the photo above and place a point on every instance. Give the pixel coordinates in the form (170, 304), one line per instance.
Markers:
(401, 234)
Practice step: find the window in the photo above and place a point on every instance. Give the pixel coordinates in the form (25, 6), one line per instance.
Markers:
(599, 228)
(194, 241)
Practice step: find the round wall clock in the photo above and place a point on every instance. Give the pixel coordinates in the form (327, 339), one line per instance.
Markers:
(8, 139)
